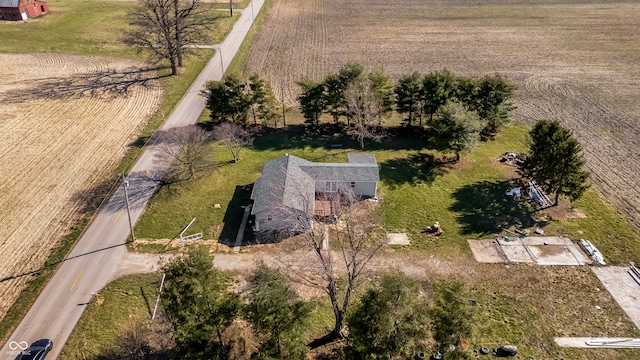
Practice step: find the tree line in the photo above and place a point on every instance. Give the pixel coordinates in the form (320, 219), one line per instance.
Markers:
(395, 317)
(456, 109)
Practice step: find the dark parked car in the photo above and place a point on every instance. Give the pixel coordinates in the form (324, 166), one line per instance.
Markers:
(37, 351)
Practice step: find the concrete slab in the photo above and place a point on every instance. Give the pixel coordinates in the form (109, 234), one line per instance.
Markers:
(515, 250)
(549, 250)
(398, 239)
(488, 251)
(624, 289)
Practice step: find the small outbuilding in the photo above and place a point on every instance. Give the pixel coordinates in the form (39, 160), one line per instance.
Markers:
(16, 10)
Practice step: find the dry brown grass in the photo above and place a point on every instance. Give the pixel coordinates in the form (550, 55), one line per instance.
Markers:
(66, 123)
(577, 62)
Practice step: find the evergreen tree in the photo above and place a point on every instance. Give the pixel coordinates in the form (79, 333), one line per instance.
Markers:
(466, 92)
(453, 318)
(493, 104)
(228, 100)
(437, 88)
(277, 313)
(334, 96)
(555, 161)
(198, 302)
(407, 91)
(384, 89)
(335, 86)
(263, 100)
(312, 101)
(390, 321)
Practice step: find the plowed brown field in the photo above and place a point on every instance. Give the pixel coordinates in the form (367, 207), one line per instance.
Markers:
(66, 122)
(577, 62)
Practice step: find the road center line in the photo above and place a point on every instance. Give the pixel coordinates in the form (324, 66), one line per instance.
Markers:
(76, 280)
(118, 217)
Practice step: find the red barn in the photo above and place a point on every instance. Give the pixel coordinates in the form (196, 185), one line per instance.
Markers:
(22, 9)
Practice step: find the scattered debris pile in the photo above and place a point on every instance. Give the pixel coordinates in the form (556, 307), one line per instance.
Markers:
(538, 195)
(534, 191)
(515, 192)
(593, 252)
(512, 159)
(433, 230)
(614, 343)
(505, 350)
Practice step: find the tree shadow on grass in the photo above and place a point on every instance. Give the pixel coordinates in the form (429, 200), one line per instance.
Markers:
(485, 209)
(417, 168)
(335, 137)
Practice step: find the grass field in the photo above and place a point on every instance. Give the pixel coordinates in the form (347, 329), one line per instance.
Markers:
(85, 27)
(122, 302)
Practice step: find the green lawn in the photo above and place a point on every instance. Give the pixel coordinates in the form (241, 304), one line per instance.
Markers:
(125, 300)
(84, 27)
(417, 187)
(72, 26)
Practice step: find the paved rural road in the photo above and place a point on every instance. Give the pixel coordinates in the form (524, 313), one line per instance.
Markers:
(100, 255)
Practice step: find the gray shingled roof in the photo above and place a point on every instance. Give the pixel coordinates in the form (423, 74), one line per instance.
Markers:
(283, 184)
(343, 172)
(290, 181)
(361, 158)
(9, 3)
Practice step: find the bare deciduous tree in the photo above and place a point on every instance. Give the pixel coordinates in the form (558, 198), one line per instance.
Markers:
(186, 148)
(167, 27)
(332, 256)
(233, 137)
(134, 343)
(365, 109)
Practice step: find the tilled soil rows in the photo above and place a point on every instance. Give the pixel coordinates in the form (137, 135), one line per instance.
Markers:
(576, 62)
(66, 121)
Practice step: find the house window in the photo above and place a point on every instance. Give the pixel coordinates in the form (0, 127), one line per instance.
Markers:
(353, 184)
(330, 186)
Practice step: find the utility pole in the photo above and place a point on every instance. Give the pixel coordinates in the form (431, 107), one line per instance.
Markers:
(126, 198)
(231, 8)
